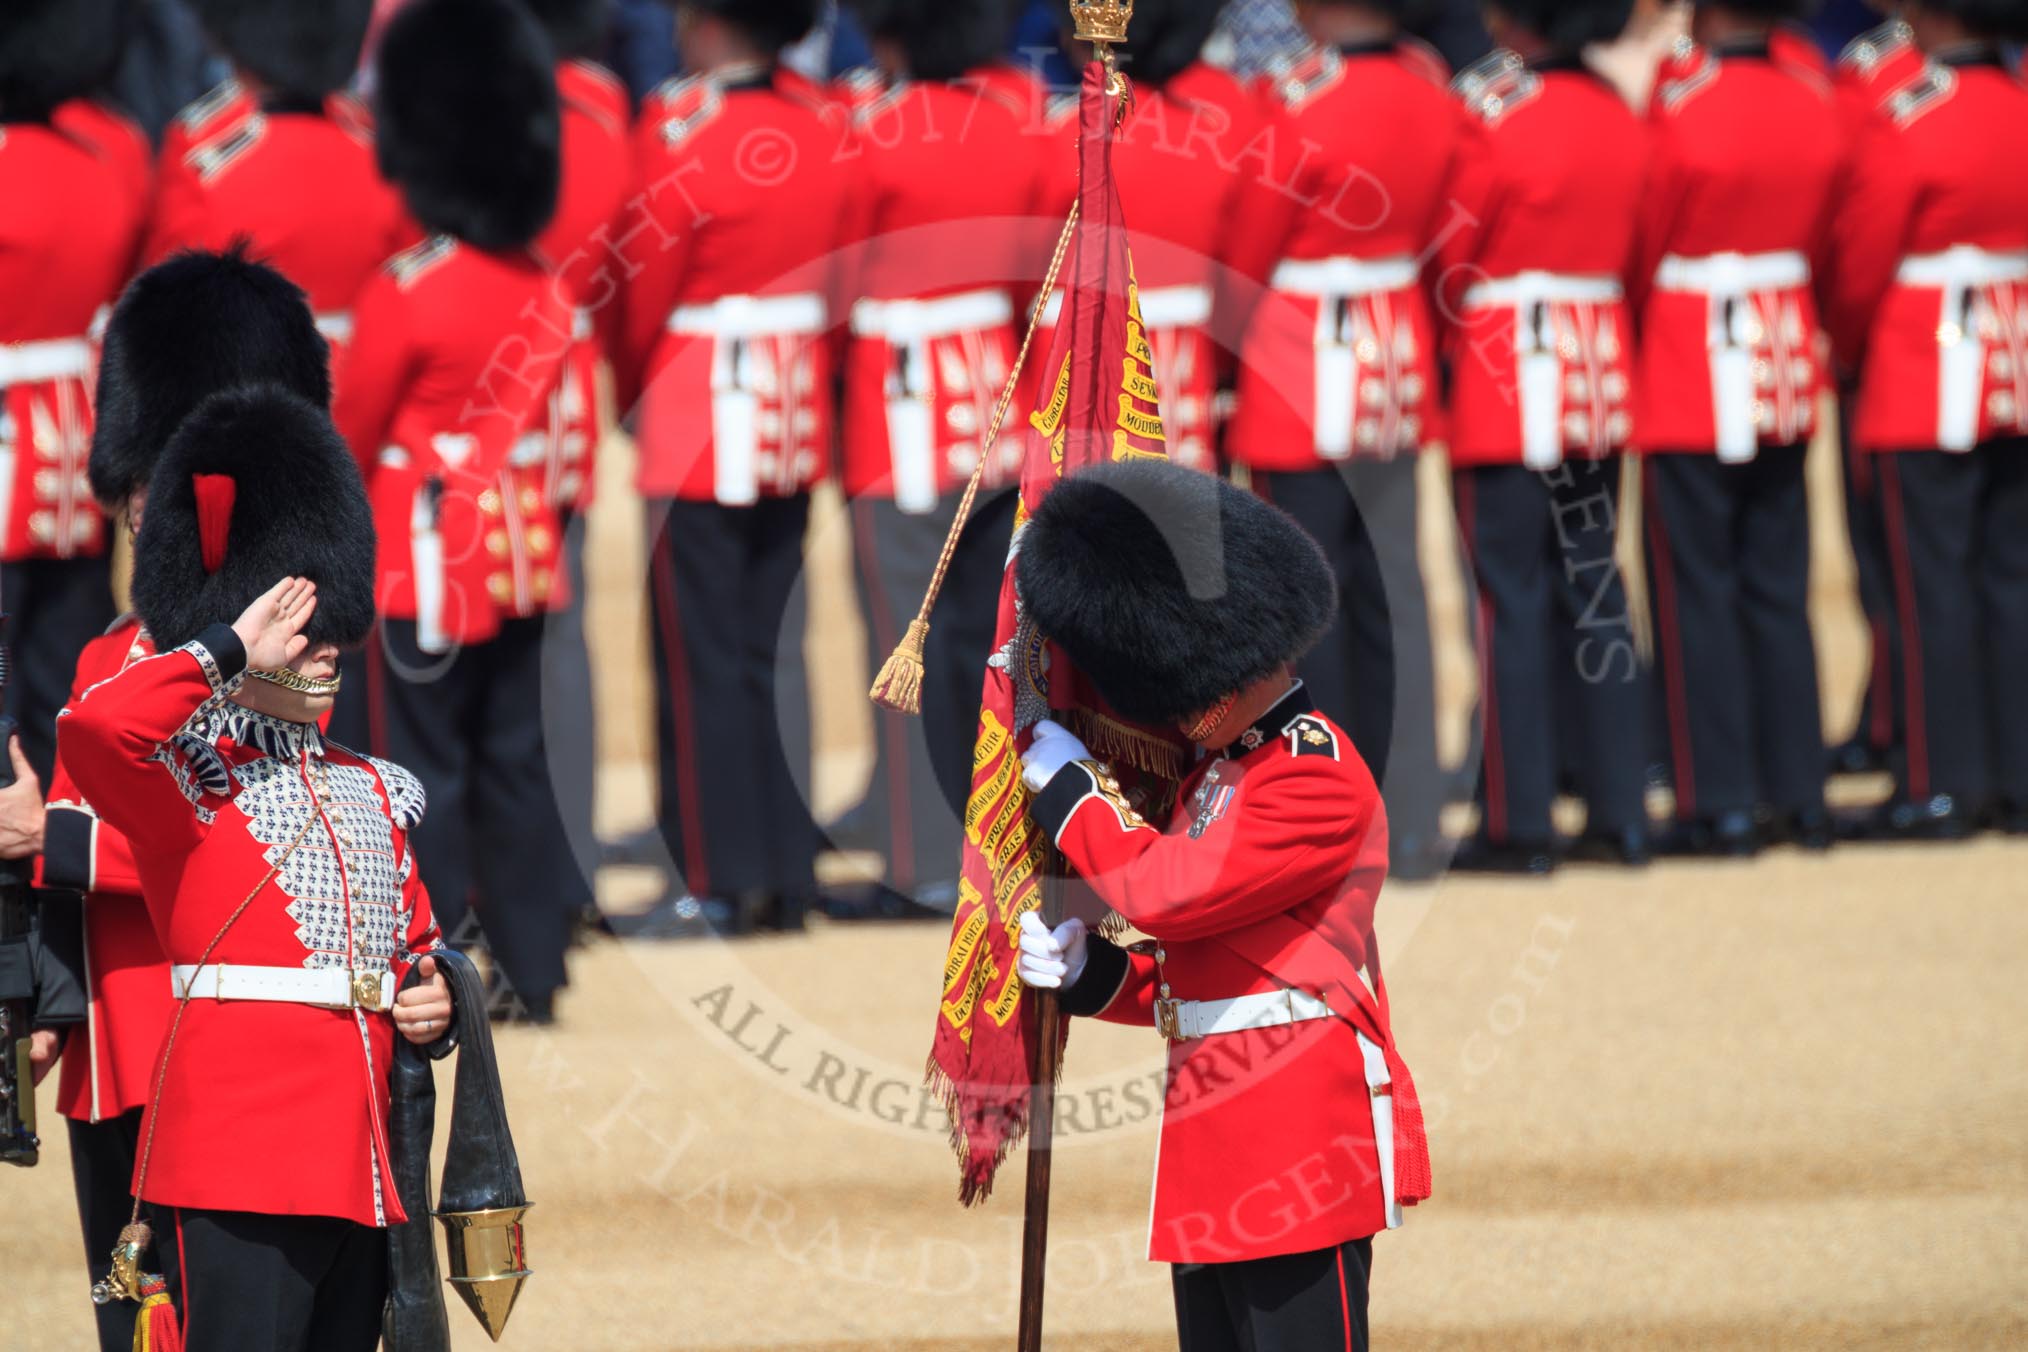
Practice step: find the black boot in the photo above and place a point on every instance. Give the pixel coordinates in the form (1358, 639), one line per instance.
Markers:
(1512, 857)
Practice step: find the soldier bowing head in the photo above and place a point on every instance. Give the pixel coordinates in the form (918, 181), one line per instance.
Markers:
(1184, 598)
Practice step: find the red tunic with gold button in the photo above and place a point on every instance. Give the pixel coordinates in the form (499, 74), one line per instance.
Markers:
(299, 183)
(732, 243)
(69, 222)
(447, 396)
(1177, 164)
(1277, 1139)
(1548, 190)
(596, 172)
(1747, 153)
(944, 229)
(110, 1069)
(267, 1106)
(1339, 355)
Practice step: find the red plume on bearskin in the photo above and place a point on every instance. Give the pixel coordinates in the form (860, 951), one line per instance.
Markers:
(213, 495)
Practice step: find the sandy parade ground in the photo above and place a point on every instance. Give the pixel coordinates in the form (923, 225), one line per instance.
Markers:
(1712, 1105)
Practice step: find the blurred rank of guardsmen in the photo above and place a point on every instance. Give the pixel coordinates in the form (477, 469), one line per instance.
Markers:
(1929, 304)
(1337, 380)
(943, 248)
(727, 352)
(279, 155)
(448, 395)
(1746, 153)
(577, 245)
(1868, 72)
(1551, 176)
(72, 187)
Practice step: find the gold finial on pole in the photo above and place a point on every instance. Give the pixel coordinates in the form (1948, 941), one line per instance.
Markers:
(1101, 21)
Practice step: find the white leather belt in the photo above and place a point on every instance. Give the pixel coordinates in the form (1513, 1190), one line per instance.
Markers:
(336, 326)
(1963, 266)
(1181, 1020)
(1162, 307)
(1732, 273)
(751, 316)
(1530, 288)
(46, 360)
(912, 321)
(1343, 276)
(324, 987)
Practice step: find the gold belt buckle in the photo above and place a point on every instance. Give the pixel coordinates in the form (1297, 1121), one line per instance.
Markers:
(1167, 1020)
(366, 990)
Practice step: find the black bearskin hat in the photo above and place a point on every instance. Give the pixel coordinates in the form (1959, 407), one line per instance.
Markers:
(1771, 9)
(300, 49)
(188, 327)
(944, 39)
(297, 509)
(55, 50)
(1568, 25)
(575, 27)
(1165, 36)
(1170, 588)
(468, 122)
(1996, 19)
(774, 24)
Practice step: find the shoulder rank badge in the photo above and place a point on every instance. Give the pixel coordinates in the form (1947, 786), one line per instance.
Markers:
(1302, 78)
(1496, 84)
(1310, 735)
(1929, 90)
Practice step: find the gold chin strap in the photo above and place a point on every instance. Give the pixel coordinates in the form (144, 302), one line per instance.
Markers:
(301, 684)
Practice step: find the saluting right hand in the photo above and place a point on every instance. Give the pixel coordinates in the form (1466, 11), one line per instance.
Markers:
(1050, 959)
(272, 627)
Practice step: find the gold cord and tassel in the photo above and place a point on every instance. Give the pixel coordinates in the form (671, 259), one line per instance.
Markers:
(899, 684)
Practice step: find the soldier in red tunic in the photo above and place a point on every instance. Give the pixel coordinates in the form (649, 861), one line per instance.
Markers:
(280, 877)
(189, 327)
(1291, 1133)
(732, 244)
(1533, 283)
(1930, 304)
(948, 165)
(1747, 151)
(1337, 382)
(1868, 72)
(69, 225)
(448, 397)
(282, 157)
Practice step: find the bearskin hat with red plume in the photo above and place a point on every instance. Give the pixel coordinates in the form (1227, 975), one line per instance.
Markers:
(298, 49)
(1170, 588)
(256, 485)
(468, 120)
(190, 326)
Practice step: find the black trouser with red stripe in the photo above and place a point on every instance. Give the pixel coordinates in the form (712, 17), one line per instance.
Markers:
(53, 607)
(1547, 585)
(1373, 673)
(731, 697)
(923, 765)
(1957, 537)
(1729, 577)
(245, 1281)
(1878, 726)
(102, 1172)
(491, 844)
(1296, 1302)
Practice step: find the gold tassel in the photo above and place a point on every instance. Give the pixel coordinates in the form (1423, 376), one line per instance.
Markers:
(899, 684)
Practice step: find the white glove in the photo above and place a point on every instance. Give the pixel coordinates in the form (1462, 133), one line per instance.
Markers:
(1054, 747)
(1051, 959)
